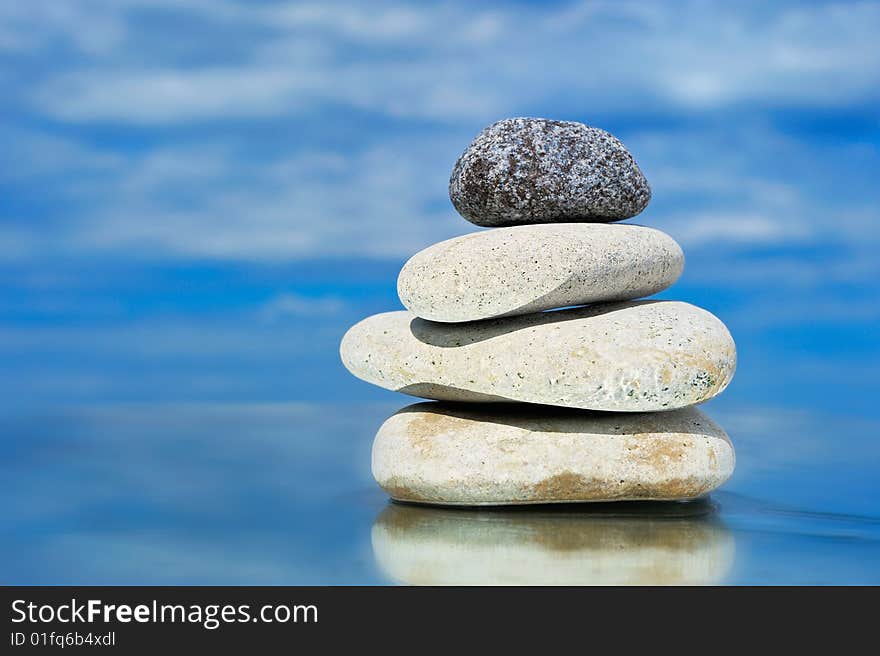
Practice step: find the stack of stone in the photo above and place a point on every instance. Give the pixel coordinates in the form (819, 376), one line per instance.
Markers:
(589, 403)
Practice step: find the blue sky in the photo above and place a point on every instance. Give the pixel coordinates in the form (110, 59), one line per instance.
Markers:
(198, 197)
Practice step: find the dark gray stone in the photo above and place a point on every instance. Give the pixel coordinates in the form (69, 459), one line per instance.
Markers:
(534, 170)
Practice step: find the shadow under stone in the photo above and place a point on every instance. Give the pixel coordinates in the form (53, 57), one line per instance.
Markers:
(553, 419)
(454, 335)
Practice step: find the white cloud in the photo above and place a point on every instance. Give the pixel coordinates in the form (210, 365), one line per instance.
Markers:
(16, 242)
(382, 202)
(390, 200)
(173, 95)
(450, 66)
(727, 228)
(29, 154)
(457, 61)
(296, 305)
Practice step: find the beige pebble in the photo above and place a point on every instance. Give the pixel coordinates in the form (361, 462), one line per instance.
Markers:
(523, 269)
(465, 454)
(632, 356)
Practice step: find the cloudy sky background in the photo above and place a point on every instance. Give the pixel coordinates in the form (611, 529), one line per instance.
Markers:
(197, 197)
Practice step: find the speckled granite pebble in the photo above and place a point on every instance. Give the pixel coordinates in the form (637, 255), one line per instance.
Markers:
(535, 170)
(515, 454)
(531, 268)
(631, 356)
(415, 545)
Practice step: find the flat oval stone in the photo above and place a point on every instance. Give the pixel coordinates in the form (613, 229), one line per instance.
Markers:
(520, 454)
(633, 356)
(536, 170)
(527, 269)
(415, 545)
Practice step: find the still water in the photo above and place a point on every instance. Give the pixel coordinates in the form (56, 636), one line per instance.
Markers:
(281, 494)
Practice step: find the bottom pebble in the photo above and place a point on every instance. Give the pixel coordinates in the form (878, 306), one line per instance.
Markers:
(504, 454)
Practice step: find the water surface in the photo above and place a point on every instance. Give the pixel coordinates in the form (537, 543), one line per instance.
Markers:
(281, 493)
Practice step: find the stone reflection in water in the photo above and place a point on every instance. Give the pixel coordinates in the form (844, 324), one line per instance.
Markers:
(600, 544)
